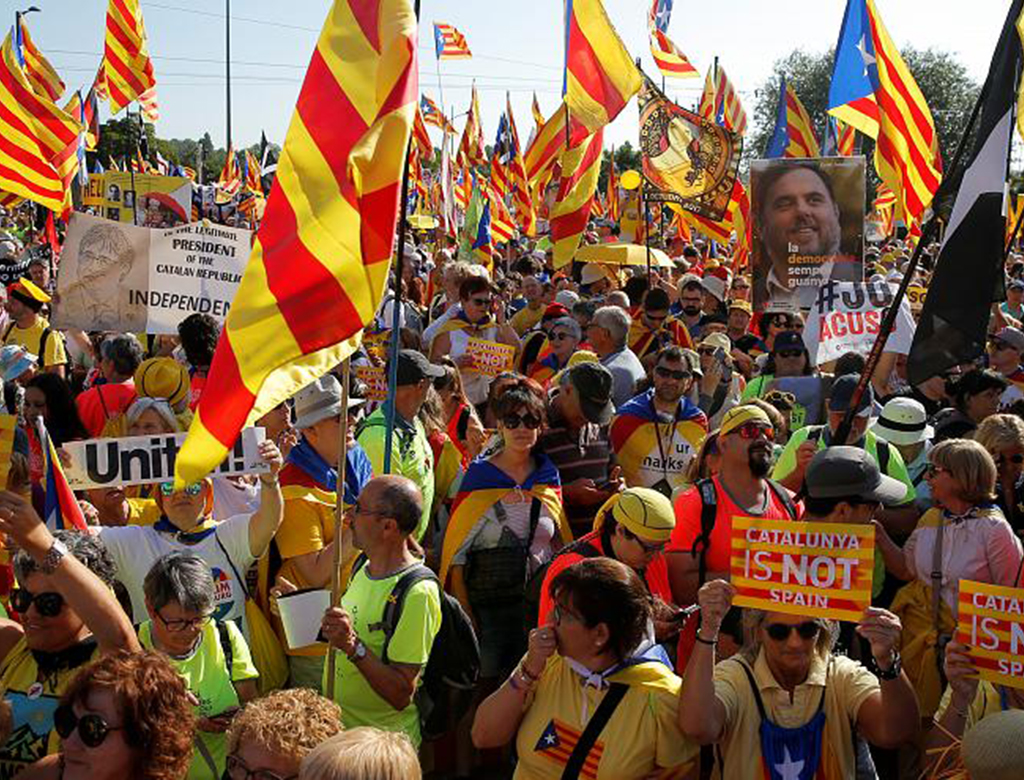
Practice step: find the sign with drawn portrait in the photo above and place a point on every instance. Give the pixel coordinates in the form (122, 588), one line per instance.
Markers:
(132, 279)
(157, 201)
(808, 228)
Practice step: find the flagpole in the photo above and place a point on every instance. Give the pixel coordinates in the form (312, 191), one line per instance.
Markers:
(131, 169)
(339, 516)
(227, 63)
(927, 232)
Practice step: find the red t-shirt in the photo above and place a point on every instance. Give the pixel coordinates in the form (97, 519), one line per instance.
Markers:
(104, 402)
(688, 510)
(655, 575)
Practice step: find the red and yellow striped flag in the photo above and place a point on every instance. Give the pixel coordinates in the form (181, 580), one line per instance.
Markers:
(600, 75)
(519, 186)
(671, 62)
(846, 139)
(149, 106)
(253, 173)
(40, 72)
(229, 183)
(421, 137)
(538, 115)
(128, 70)
(547, 145)
(581, 167)
(613, 189)
(34, 136)
(471, 147)
(802, 142)
(320, 260)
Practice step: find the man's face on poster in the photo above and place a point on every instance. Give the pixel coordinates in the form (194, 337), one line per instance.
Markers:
(800, 217)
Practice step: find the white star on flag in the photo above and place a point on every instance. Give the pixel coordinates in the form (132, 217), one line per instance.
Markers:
(789, 769)
(869, 59)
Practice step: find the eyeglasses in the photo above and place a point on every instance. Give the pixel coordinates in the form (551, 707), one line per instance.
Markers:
(482, 301)
(513, 421)
(650, 549)
(359, 509)
(48, 604)
(706, 351)
(236, 769)
(167, 489)
(92, 729)
(177, 626)
(560, 336)
(931, 470)
(559, 612)
(789, 353)
(668, 373)
(780, 632)
(1014, 459)
(754, 430)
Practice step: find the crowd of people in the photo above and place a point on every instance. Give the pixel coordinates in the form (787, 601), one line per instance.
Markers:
(559, 531)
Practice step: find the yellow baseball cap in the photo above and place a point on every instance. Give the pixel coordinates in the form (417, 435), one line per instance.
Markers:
(741, 414)
(25, 288)
(742, 305)
(645, 512)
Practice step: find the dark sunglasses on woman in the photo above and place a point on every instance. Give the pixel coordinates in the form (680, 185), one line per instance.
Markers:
(48, 604)
(780, 632)
(92, 729)
(513, 421)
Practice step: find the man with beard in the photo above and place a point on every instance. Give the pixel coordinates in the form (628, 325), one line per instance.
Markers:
(800, 232)
(656, 434)
(656, 328)
(691, 303)
(700, 547)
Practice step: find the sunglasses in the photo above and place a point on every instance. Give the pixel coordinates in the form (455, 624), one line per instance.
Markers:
(513, 421)
(47, 604)
(789, 353)
(753, 430)
(1014, 459)
(706, 351)
(92, 729)
(668, 373)
(780, 632)
(650, 549)
(167, 489)
(560, 336)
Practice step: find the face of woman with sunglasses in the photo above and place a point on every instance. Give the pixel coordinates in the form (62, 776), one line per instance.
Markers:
(562, 344)
(790, 362)
(112, 758)
(519, 429)
(1009, 463)
(477, 306)
(789, 656)
(184, 508)
(50, 624)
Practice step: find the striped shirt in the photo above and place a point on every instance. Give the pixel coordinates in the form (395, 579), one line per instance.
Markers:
(582, 454)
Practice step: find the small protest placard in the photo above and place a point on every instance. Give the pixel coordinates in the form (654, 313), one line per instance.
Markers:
(144, 460)
(991, 623)
(376, 381)
(916, 296)
(814, 569)
(489, 357)
(8, 422)
(376, 344)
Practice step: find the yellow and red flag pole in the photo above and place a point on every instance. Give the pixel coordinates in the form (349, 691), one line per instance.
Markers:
(339, 518)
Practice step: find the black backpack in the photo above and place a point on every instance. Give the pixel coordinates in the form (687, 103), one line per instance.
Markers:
(881, 447)
(449, 679)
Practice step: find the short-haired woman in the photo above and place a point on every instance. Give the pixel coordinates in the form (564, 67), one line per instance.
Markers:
(975, 396)
(785, 700)
(126, 716)
(1003, 436)
(963, 537)
(363, 753)
(272, 735)
(212, 657)
(584, 665)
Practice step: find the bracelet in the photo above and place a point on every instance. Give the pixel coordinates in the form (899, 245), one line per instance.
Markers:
(271, 481)
(512, 681)
(704, 641)
(522, 671)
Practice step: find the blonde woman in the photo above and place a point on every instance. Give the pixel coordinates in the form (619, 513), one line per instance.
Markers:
(1003, 436)
(362, 753)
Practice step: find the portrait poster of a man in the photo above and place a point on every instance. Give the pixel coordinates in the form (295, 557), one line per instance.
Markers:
(808, 228)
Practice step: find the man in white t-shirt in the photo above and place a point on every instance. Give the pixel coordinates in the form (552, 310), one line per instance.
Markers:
(230, 547)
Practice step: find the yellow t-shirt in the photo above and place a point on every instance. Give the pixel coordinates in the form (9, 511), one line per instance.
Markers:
(525, 319)
(847, 685)
(205, 674)
(642, 737)
(30, 339)
(986, 702)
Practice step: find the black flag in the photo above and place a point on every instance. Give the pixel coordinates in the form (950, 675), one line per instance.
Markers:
(268, 164)
(969, 272)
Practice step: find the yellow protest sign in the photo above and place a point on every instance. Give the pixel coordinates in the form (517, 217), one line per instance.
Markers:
(991, 623)
(376, 344)
(8, 422)
(489, 357)
(814, 569)
(375, 380)
(916, 295)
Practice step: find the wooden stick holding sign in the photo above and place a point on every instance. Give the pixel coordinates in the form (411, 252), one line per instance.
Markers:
(814, 569)
(339, 519)
(990, 621)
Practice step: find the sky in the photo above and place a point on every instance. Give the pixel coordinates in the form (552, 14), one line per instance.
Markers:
(517, 47)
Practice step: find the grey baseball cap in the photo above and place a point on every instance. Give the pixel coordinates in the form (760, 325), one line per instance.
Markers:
(850, 472)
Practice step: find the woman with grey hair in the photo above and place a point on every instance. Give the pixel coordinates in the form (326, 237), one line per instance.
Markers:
(211, 656)
(787, 699)
(564, 336)
(69, 615)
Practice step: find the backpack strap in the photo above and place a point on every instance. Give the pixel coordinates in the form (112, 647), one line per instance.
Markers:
(708, 513)
(393, 606)
(9, 329)
(43, 338)
(226, 646)
(883, 453)
(783, 495)
(611, 701)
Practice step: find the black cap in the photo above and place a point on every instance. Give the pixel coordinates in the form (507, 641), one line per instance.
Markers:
(593, 383)
(413, 368)
(850, 472)
(788, 339)
(842, 393)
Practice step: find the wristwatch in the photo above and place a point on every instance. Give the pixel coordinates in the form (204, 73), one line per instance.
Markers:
(894, 667)
(359, 653)
(53, 558)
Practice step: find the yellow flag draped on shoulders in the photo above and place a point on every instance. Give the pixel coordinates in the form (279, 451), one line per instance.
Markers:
(321, 258)
(485, 485)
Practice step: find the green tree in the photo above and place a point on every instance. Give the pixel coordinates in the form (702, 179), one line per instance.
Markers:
(121, 138)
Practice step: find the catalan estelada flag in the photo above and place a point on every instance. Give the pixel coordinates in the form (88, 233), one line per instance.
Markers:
(600, 75)
(483, 486)
(35, 135)
(471, 147)
(794, 133)
(581, 167)
(840, 139)
(321, 257)
(253, 174)
(671, 62)
(655, 452)
(230, 181)
(721, 103)
(449, 43)
(40, 72)
(519, 186)
(547, 145)
(432, 115)
(873, 91)
(61, 508)
(127, 68)
(421, 137)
